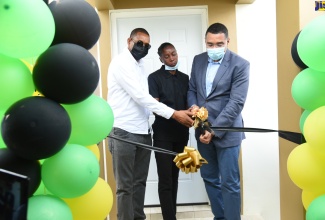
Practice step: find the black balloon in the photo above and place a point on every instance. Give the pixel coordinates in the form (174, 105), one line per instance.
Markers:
(66, 73)
(31, 168)
(295, 55)
(35, 128)
(76, 21)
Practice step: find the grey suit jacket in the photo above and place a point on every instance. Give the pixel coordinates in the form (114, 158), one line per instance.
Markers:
(228, 95)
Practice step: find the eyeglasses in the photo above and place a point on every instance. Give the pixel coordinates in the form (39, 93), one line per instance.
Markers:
(141, 44)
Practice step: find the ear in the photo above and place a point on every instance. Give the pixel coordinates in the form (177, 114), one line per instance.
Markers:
(128, 41)
(160, 60)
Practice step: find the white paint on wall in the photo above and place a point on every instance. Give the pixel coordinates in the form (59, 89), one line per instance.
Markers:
(256, 34)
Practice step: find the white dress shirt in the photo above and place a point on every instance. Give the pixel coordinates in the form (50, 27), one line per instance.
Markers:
(211, 74)
(128, 95)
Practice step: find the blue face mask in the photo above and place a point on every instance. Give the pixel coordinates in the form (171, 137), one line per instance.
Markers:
(172, 67)
(216, 53)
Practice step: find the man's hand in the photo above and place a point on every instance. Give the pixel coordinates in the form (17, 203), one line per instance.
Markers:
(183, 117)
(194, 109)
(206, 137)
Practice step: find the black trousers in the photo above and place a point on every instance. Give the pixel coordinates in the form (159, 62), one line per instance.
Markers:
(168, 177)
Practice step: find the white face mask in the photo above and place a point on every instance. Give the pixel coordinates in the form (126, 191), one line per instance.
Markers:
(172, 67)
(216, 53)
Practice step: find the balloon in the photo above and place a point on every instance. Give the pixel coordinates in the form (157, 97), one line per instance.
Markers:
(31, 168)
(91, 120)
(36, 128)
(2, 144)
(37, 93)
(316, 209)
(41, 190)
(295, 55)
(77, 22)
(95, 204)
(70, 173)
(48, 207)
(311, 44)
(27, 28)
(305, 168)
(16, 81)
(66, 73)
(308, 196)
(308, 89)
(29, 66)
(302, 120)
(94, 148)
(314, 129)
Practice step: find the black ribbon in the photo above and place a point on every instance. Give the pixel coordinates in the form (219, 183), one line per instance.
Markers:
(294, 137)
(145, 146)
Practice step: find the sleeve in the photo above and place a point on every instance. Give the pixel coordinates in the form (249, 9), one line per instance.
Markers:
(131, 83)
(191, 94)
(153, 86)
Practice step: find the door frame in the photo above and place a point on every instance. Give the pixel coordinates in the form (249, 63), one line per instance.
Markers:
(115, 15)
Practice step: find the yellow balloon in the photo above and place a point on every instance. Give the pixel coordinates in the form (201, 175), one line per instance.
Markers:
(94, 148)
(95, 204)
(308, 196)
(37, 93)
(30, 66)
(305, 168)
(314, 129)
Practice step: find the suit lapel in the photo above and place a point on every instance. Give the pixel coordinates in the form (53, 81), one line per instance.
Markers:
(204, 67)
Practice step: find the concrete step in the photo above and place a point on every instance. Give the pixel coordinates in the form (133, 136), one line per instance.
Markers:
(197, 212)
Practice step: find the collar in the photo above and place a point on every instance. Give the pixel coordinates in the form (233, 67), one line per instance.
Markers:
(166, 73)
(215, 62)
(140, 62)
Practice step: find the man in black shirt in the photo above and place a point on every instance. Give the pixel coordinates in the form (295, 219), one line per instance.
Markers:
(169, 86)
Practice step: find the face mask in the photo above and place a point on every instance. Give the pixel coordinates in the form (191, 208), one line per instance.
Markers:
(139, 52)
(216, 53)
(171, 67)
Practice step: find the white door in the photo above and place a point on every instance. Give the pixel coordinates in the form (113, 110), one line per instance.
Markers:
(185, 28)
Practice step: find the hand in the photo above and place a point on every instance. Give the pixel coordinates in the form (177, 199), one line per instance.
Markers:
(183, 117)
(194, 109)
(206, 137)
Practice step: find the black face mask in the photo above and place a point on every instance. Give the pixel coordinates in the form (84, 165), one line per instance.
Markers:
(139, 51)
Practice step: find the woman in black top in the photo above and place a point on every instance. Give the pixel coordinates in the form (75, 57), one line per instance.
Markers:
(169, 86)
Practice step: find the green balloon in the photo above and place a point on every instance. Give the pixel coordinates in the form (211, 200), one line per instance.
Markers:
(16, 81)
(302, 120)
(71, 172)
(316, 209)
(27, 28)
(2, 144)
(311, 44)
(91, 120)
(308, 89)
(47, 207)
(41, 190)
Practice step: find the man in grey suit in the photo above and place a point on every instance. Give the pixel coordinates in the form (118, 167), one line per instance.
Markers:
(219, 82)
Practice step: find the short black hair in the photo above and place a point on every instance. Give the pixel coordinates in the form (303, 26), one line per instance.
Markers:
(163, 46)
(217, 28)
(137, 30)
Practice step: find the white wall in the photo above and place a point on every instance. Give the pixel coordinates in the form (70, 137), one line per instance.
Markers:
(256, 29)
